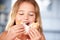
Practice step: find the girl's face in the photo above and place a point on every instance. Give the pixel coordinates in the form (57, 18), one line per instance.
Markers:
(26, 13)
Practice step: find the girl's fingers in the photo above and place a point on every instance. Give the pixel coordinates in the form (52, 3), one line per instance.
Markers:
(33, 31)
(15, 30)
(16, 35)
(34, 34)
(18, 27)
(17, 38)
(30, 34)
(18, 31)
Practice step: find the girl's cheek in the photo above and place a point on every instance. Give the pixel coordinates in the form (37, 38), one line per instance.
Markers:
(32, 19)
(19, 18)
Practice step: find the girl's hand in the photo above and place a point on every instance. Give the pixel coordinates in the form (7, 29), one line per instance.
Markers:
(34, 34)
(17, 38)
(14, 31)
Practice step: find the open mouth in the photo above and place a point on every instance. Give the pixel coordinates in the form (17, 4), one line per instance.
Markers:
(27, 24)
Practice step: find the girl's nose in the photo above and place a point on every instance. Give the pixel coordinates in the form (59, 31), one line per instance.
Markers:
(26, 17)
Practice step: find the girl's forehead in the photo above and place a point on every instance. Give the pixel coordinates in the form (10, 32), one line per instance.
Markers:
(26, 6)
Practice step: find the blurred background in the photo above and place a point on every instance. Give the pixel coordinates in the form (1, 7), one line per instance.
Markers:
(50, 14)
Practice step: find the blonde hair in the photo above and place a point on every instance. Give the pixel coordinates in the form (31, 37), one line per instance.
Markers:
(15, 9)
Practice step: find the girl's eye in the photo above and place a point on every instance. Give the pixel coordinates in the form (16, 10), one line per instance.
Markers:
(31, 15)
(21, 14)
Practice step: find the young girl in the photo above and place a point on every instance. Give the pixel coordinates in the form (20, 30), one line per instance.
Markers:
(24, 22)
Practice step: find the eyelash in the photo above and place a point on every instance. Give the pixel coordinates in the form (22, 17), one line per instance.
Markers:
(23, 14)
(31, 15)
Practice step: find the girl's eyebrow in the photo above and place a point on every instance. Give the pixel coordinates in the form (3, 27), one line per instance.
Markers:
(32, 11)
(29, 11)
(21, 10)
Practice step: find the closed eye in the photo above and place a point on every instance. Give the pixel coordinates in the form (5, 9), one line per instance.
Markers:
(31, 14)
(21, 14)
